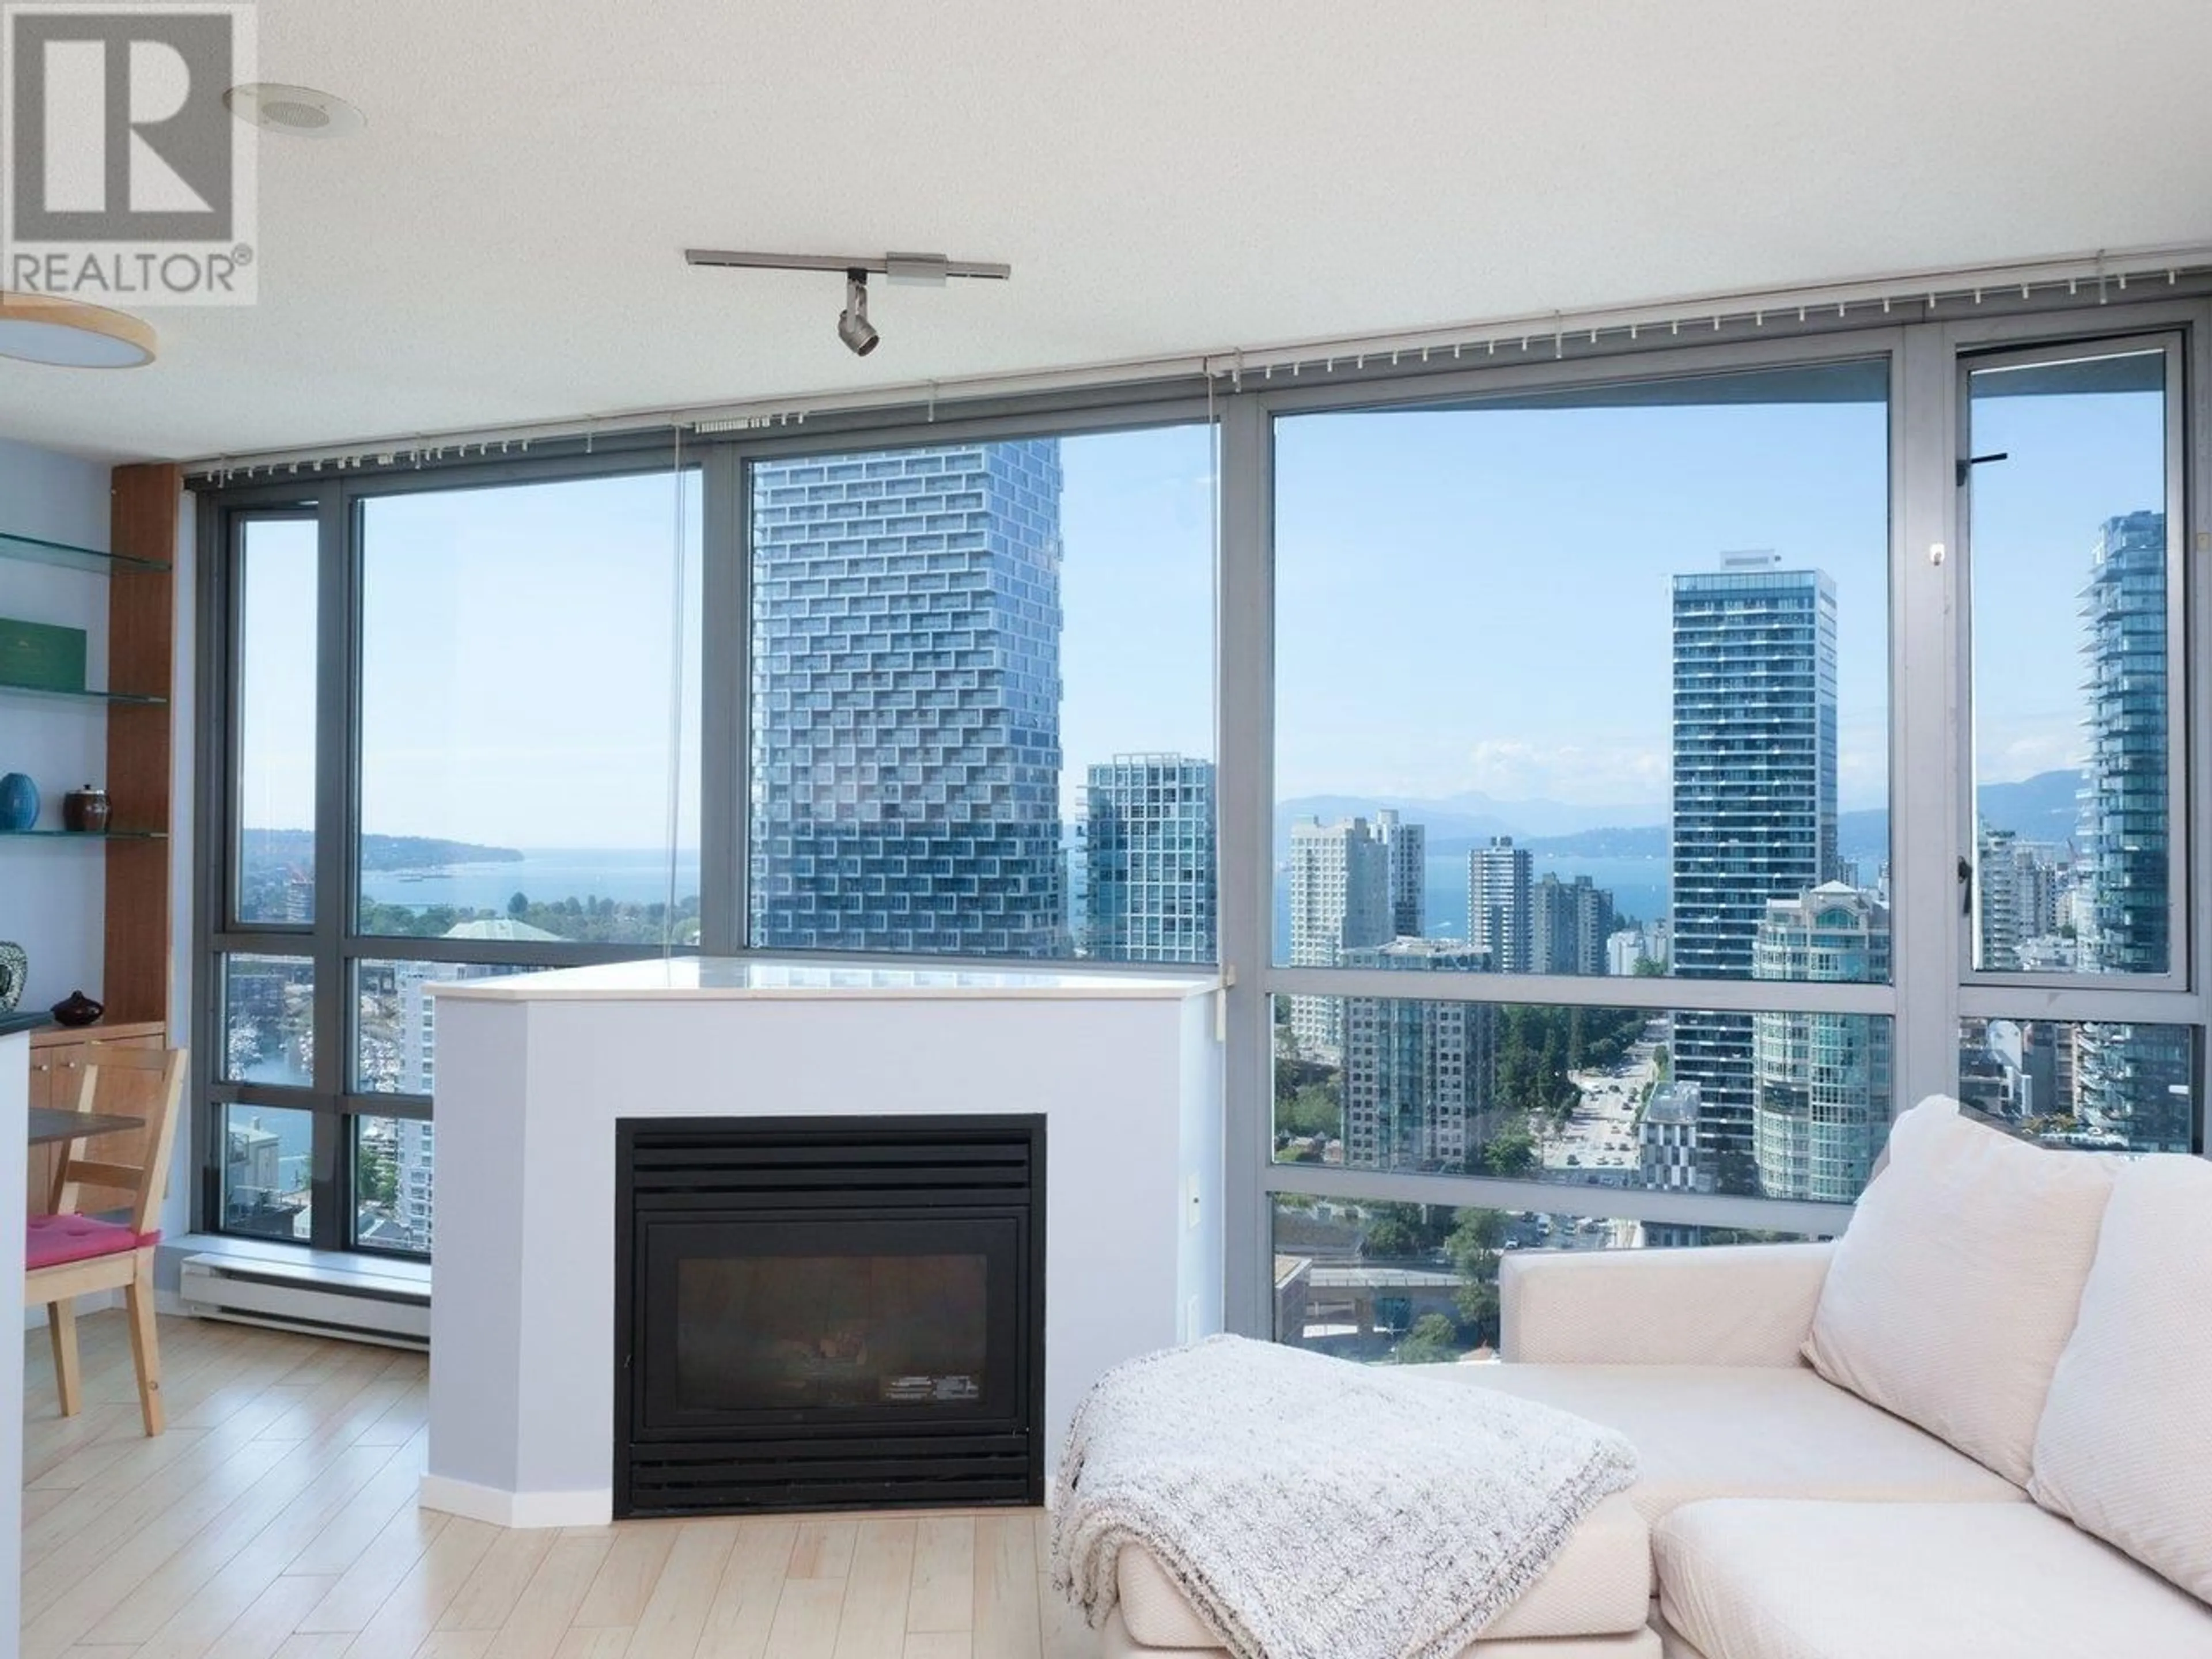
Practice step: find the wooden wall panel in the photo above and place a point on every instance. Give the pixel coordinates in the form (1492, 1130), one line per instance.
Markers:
(141, 611)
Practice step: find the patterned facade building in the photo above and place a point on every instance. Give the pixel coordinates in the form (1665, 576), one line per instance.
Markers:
(906, 624)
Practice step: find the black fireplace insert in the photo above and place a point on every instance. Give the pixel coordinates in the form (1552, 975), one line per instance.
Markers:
(827, 1313)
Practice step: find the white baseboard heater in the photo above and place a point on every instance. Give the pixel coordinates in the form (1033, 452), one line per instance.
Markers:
(252, 1290)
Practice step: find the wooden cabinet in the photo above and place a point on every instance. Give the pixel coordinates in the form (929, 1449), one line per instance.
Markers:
(57, 1061)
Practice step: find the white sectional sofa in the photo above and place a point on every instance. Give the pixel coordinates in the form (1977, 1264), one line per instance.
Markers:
(2050, 1311)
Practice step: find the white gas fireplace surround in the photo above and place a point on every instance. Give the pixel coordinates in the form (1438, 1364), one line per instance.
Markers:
(533, 1071)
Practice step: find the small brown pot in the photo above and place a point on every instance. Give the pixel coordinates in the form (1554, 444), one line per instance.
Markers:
(85, 809)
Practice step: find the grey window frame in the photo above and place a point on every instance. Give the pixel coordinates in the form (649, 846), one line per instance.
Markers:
(1930, 989)
(331, 942)
(2004, 353)
(1929, 992)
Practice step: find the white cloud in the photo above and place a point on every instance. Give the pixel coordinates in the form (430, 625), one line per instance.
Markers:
(1591, 774)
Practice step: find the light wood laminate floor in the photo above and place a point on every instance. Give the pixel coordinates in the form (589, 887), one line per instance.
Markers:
(276, 1520)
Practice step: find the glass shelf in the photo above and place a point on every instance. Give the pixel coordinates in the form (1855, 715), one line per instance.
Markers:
(84, 835)
(131, 697)
(39, 551)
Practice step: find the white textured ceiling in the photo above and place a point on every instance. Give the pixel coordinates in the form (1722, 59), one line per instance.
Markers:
(1166, 176)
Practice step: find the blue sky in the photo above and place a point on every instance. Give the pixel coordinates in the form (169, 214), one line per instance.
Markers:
(1467, 600)
(1481, 600)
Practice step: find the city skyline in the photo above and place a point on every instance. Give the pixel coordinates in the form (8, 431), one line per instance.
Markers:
(1781, 1104)
(1138, 531)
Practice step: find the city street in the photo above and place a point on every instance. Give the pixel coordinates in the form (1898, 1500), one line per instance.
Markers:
(1597, 1144)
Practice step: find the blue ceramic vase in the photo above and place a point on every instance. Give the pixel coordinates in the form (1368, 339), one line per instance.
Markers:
(18, 803)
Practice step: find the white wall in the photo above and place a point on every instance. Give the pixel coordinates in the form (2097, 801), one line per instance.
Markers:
(50, 891)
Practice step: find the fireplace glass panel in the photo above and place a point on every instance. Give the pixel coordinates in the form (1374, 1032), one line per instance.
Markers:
(771, 1333)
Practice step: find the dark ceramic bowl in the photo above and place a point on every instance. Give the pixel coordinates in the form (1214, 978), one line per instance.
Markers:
(76, 1009)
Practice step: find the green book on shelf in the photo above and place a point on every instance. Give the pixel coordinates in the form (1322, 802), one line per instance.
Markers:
(42, 655)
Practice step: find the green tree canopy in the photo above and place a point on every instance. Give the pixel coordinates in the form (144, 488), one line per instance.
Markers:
(1434, 1340)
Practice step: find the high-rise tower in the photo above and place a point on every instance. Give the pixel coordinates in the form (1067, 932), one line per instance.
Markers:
(1417, 1075)
(1820, 1103)
(1754, 804)
(2134, 1080)
(906, 628)
(1340, 901)
(1406, 845)
(1497, 921)
(1148, 857)
(1569, 924)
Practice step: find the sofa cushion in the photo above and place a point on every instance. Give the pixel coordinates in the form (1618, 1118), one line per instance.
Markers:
(1599, 1583)
(1749, 1432)
(1727, 1304)
(2125, 1445)
(1956, 1284)
(1763, 1580)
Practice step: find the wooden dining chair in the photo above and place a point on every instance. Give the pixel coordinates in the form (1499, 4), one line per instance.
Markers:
(67, 1254)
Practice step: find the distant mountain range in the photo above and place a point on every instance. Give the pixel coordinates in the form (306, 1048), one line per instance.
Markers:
(2043, 808)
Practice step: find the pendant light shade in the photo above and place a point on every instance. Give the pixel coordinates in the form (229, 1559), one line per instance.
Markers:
(37, 328)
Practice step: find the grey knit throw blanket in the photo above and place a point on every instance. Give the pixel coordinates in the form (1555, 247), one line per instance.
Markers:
(1313, 1509)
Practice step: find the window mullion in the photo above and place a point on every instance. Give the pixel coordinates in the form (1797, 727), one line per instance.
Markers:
(725, 748)
(1245, 744)
(1927, 702)
(336, 621)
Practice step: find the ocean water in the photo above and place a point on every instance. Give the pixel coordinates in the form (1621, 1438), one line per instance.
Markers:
(627, 875)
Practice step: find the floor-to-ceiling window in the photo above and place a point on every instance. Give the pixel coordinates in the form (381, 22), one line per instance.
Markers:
(1741, 740)
(461, 737)
(1582, 703)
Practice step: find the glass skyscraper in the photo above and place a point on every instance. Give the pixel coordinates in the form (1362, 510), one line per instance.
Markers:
(1754, 804)
(1148, 859)
(1821, 1082)
(905, 623)
(2133, 1080)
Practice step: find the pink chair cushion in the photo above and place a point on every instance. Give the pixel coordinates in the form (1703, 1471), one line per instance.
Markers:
(51, 1240)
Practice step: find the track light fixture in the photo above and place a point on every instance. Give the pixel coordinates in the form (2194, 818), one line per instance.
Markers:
(853, 326)
(859, 336)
